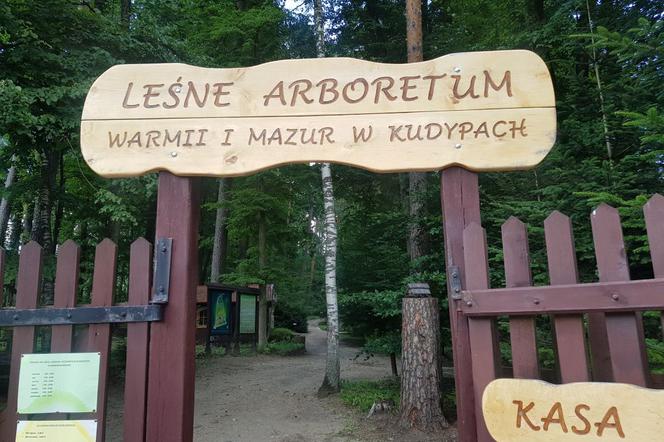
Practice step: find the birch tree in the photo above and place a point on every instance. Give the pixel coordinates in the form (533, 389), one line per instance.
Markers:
(331, 382)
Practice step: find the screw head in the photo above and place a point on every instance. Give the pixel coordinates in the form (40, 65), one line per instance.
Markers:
(457, 146)
(68, 315)
(174, 154)
(455, 274)
(177, 89)
(163, 249)
(536, 301)
(469, 303)
(15, 317)
(161, 289)
(457, 69)
(615, 297)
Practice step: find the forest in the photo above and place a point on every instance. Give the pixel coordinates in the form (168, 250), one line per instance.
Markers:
(606, 59)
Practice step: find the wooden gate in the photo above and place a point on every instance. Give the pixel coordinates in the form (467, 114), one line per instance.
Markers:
(597, 327)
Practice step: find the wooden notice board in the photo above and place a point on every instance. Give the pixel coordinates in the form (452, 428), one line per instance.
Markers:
(480, 110)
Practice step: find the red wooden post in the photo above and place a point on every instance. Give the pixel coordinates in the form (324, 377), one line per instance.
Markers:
(517, 274)
(484, 355)
(461, 206)
(27, 293)
(99, 335)
(171, 370)
(570, 334)
(66, 288)
(653, 211)
(135, 396)
(624, 331)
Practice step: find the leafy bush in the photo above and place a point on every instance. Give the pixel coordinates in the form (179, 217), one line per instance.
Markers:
(291, 317)
(362, 394)
(281, 334)
(284, 348)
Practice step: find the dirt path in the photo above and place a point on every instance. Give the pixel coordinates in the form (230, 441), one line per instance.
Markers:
(270, 398)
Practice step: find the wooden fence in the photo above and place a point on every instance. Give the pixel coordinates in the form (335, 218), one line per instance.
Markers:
(597, 327)
(97, 335)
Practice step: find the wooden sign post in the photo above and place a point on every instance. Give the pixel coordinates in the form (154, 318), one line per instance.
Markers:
(482, 110)
(534, 411)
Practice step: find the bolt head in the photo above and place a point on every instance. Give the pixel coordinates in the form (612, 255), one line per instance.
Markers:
(161, 289)
(536, 301)
(615, 297)
(15, 317)
(469, 303)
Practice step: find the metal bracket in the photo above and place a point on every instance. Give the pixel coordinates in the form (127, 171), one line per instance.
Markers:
(162, 271)
(455, 283)
(80, 315)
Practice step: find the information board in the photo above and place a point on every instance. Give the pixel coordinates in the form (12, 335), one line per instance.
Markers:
(481, 110)
(58, 383)
(521, 410)
(219, 304)
(56, 431)
(247, 314)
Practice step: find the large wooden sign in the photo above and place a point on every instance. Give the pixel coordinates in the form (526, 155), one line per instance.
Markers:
(533, 411)
(481, 110)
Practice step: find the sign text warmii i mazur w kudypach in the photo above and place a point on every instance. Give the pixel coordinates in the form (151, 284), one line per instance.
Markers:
(481, 110)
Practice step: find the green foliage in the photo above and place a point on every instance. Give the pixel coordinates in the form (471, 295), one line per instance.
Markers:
(284, 348)
(281, 334)
(362, 394)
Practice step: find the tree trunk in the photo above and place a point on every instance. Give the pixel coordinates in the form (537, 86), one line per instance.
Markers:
(125, 12)
(420, 369)
(4, 204)
(220, 233)
(262, 299)
(416, 180)
(332, 380)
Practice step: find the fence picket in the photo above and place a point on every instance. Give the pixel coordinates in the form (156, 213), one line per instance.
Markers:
(2, 277)
(482, 331)
(137, 343)
(28, 286)
(628, 361)
(517, 274)
(653, 211)
(99, 335)
(569, 330)
(66, 288)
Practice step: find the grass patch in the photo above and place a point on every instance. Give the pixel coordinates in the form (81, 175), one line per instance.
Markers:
(284, 348)
(214, 352)
(362, 394)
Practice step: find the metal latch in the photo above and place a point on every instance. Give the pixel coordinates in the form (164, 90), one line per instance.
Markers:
(455, 283)
(162, 271)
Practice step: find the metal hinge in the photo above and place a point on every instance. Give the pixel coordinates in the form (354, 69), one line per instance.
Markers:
(80, 315)
(455, 283)
(162, 271)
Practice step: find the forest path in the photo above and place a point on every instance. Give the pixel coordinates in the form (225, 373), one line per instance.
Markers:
(271, 398)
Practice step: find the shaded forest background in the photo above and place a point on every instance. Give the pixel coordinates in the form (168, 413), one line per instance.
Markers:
(610, 146)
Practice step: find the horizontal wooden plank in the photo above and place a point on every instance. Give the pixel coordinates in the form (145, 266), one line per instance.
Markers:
(576, 298)
(328, 86)
(533, 411)
(478, 140)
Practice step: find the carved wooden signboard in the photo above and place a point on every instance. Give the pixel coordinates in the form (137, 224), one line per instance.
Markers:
(481, 110)
(535, 411)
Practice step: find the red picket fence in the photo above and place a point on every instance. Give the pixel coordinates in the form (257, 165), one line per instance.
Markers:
(97, 337)
(614, 348)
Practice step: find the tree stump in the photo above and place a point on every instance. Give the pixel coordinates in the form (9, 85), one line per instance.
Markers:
(420, 372)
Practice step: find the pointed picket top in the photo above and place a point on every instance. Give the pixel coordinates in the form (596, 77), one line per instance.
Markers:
(103, 279)
(140, 265)
(516, 255)
(653, 211)
(67, 274)
(29, 275)
(560, 250)
(140, 242)
(30, 247)
(609, 244)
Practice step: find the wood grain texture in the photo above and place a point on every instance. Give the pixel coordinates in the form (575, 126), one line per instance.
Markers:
(28, 286)
(623, 332)
(517, 274)
(629, 413)
(482, 331)
(170, 414)
(99, 335)
(460, 203)
(136, 376)
(530, 83)
(66, 289)
(482, 110)
(569, 330)
(398, 142)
